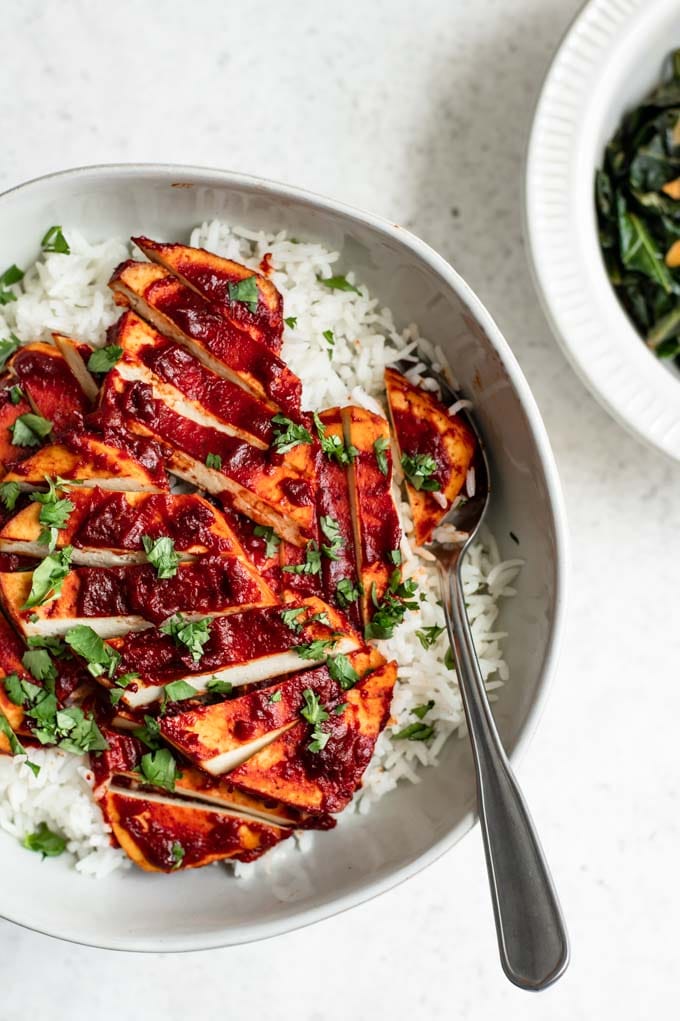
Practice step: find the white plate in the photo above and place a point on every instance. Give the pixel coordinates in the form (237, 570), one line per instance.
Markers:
(613, 54)
(413, 825)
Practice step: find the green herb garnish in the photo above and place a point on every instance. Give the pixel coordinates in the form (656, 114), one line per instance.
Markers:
(346, 593)
(15, 745)
(329, 338)
(45, 842)
(54, 514)
(275, 696)
(391, 609)
(272, 541)
(290, 618)
(288, 434)
(159, 768)
(427, 636)
(415, 732)
(314, 713)
(192, 634)
(395, 557)
(30, 430)
(48, 578)
(149, 734)
(11, 276)
(311, 563)
(216, 686)
(331, 530)
(101, 658)
(16, 395)
(338, 283)
(8, 347)
(104, 358)
(246, 292)
(213, 461)
(161, 554)
(9, 494)
(39, 664)
(316, 650)
(342, 671)
(291, 322)
(177, 854)
(422, 710)
(333, 446)
(178, 691)
(419, 469)
(380, 448)
(54, 241)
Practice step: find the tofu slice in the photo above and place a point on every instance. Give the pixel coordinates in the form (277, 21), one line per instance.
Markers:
(44, 375)
(162, 834)
(213, 277)
(106, 528)
(277, 490)
(422, 425)
(177, 377)
(221, 346)
(11, 651)
(333, 501)
(89, 460)
(116, 600)
(76, 356)
(377, 532)
(245, 647)
(326, 780)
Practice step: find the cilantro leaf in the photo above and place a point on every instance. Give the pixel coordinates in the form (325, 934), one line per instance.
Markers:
(342, 671)
(15, 745)
(178, 691)
(316, 649)
(100, 657)
(329, 338)
(422, 710)
(291, 322)
(339, 709)
(177, 855)
(314, 713)
(9, 494)
(213, 461)
(346, 593)
(53, 644)
(331, 529)
(395, 556)
(159, 768)
(193, 634)
(45, 842)
(54, 241)
(272, 541)
(333, 446)
(380, 448)
(161, 554)
(311, 563)
(288, 434)
(391, 609)
(48, 578)
(275, 696)
(39, 664)
(338, 283)
(16, 394)
(419, 469)
(54, 514)
(246, 292)
(149, 734)
(290, 618)
(8, 347)
(427, 636)
(415, 732)
(30, 430)
(216, 686)
(104, 358)
(12, 275)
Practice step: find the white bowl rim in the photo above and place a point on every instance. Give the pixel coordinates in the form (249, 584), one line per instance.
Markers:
(206, 176)
(639, 393)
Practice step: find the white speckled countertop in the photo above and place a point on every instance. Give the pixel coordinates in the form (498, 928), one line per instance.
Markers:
(419, 112)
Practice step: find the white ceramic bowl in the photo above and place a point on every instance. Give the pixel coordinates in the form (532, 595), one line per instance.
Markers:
(611, 57)
(415, 824)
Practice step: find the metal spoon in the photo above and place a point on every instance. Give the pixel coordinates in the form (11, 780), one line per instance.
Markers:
(532, 938)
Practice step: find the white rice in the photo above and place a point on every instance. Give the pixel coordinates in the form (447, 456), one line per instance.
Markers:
(68, 293)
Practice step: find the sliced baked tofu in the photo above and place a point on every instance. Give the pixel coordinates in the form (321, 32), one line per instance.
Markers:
(323, 780)
(91, 461)
(162, 834)
(106, 528)
(424, 429)
(11, 651)
(116, 600)
(9, 413)
(246, 298)
(188, 385)
(76, 356)
(184, 316)
(245, 647)
(276, 490)
(44, 375)
(338, 564)
(377, 532)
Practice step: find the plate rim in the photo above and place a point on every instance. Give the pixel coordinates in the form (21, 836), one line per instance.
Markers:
(207, 176)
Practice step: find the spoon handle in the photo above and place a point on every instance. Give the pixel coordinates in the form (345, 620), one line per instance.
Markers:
(532, 938)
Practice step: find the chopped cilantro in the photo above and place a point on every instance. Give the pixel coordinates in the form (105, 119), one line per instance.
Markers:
(177, 855)
(419, 469)
(338, 283)
(395, 556)
(314, 713)
(331, 529)
(342, 671)
(9, 494)
(246, 292)
(48, 578)
(275, 696)
(380, 448)
(449, 661)
(213, 461)
(161, 554)
(54, 514)
(15, 745)
(311, 563)
(69, 729)
(291, 322)
(149, 734)
(159, 768)
(328, 336)
(39, 664)
(316, 650)
(193, 634)
(30, 430)
(427, 636)
(104, 358)
(272, 541)
(16, 394)
(11, 276)
(290, 618)
(333, 446)
(391, 609)
(346, 593)
(288, 434)
(8, 347)
(178, 691)
(415, 732)
(54, 241)
(53, 644)
(421, 711)
(216, 686)
(45, 842)
(339, 709)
